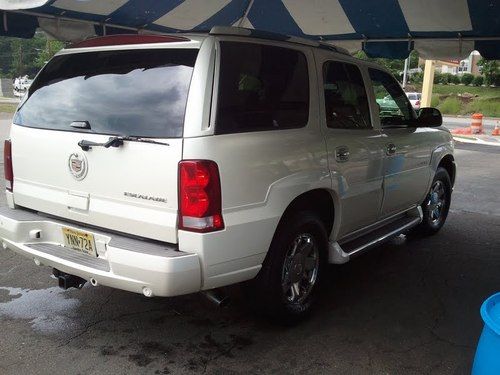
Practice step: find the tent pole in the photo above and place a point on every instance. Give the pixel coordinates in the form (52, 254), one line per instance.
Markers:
(405, 72)
(428, 82)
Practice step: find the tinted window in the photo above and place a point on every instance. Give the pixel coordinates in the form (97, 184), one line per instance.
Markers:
(346, 104)
(412, 96)
(394, 107)
(140, 92)
(261, 88)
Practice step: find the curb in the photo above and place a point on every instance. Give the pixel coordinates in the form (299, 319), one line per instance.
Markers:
(474, 140)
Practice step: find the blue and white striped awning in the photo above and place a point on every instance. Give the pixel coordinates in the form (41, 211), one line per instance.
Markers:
(383, 28)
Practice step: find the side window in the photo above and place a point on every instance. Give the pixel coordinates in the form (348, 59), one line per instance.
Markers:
(346, 103)
(261, 88)
(394, 106)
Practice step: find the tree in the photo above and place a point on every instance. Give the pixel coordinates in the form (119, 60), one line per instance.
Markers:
(395, 66)
(26, 56)
(491, 71)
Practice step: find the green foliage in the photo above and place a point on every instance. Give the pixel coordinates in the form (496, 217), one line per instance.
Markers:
(488, 107)
(26, 56)
(447, 78)
(455, 79)
(482, 92)
(417, 78)
(434, 100)
(450, 105)
(478, 81)
(465, 100)
(467, 78)
(491, 71)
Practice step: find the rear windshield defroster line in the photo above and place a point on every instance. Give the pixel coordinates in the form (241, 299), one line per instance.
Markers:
(139, 93)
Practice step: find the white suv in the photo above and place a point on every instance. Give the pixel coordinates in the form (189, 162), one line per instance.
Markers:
(167, 165)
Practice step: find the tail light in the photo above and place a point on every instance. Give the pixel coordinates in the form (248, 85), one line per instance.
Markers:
(200, 208)
(417, 102)
(7, 164)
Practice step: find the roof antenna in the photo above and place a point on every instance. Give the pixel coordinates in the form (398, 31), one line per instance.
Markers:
(363, 43)
(245, 13)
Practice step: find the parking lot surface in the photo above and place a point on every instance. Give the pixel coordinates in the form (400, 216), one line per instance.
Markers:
(408, 307)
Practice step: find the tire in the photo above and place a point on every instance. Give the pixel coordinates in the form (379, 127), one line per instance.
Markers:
(296, 258)
(436, 204)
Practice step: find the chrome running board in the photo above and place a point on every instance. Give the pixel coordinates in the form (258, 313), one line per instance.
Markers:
(339, 253)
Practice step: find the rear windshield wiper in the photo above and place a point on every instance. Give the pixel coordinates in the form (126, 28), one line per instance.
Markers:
(117, 142)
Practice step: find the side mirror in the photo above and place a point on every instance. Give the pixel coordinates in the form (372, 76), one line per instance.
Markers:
(429, 117)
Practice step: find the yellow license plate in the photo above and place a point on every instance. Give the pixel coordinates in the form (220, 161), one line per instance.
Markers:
(80, 241)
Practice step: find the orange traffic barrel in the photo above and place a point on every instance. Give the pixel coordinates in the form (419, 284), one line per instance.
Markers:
(496, 131)
(476, 124)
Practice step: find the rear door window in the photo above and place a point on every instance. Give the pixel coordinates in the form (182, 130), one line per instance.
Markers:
(139, 92)
(261, 87)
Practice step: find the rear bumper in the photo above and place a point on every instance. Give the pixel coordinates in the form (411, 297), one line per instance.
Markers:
(123, 263)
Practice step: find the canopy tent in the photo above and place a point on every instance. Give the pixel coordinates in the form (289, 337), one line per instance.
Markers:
(437, 29)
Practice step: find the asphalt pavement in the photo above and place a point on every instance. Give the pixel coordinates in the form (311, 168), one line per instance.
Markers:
(408, 307)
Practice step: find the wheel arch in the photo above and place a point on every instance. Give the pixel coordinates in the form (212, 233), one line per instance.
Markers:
(448, 163)
(321, 201)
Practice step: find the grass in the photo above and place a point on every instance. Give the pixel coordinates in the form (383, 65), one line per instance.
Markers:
(465, 100)
(484, 92)
(489, 107)
(451, 105)
(8, 108)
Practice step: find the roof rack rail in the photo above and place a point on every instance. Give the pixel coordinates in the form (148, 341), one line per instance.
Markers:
(260, 34)
(334, 48)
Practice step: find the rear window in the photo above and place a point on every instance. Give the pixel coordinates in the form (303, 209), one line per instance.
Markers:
(412, 96)
(261, 88)
(140, 93)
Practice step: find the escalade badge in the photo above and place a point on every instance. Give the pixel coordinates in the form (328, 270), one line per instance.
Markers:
(78, 165)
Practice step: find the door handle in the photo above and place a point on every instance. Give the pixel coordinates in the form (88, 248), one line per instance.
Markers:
(391, 149)
(342, 154)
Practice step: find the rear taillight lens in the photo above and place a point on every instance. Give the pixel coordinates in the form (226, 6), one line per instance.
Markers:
(7, 164)
(200, 208)
(417, 102)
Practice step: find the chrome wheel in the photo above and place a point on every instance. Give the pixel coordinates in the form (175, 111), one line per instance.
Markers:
(300, 269)
(436, 202)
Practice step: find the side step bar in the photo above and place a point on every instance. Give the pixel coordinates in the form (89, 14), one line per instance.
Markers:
(340, 253)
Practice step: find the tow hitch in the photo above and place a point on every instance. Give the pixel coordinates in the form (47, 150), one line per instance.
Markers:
(67, 281)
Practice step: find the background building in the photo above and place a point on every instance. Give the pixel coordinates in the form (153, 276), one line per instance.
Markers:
(467, 65)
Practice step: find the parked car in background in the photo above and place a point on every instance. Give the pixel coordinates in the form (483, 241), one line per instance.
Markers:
(387, 106)
(166, 165)
(414, 98)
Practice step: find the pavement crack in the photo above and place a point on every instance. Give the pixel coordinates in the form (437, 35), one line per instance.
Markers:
(449, 342)
(97, 322)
